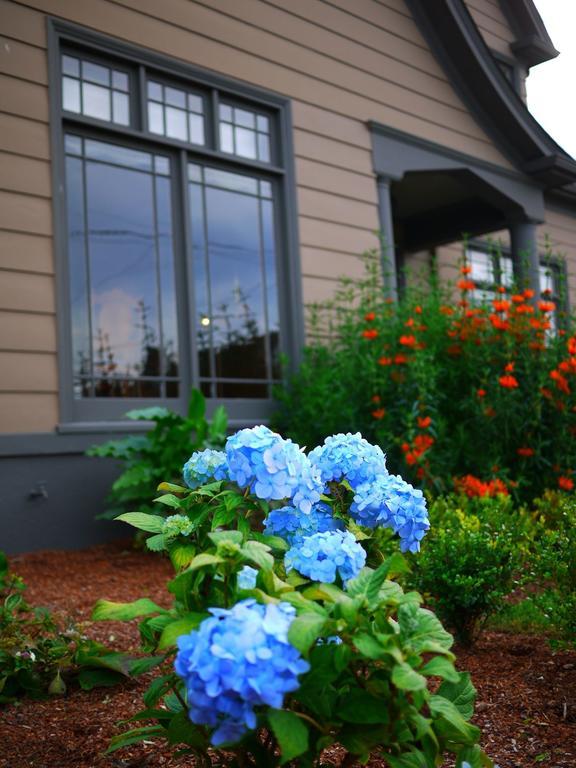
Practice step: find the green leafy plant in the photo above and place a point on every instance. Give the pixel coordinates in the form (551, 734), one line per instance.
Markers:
(370, 649)
(471, 560)
(157, 455)
(38, 658)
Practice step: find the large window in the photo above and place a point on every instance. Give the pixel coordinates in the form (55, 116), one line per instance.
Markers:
(176, 231)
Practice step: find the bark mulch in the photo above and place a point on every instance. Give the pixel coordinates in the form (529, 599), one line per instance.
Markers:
(526, 702)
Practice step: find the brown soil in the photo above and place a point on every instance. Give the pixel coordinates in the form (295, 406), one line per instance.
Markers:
(526, 692)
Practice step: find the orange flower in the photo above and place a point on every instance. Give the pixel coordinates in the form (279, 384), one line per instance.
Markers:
(446, 310)
(376, 398)
(424, 422)
(508, 382)
(546, 306)
(565, 366)
(571, 343)
(501, 289)
(370, 333)
(481, 393)
(409, 323)
(454, 350)
(528, 293)
(370, 316)
(465, 270)
(463, 303)
(517, 298)
(385, 361)
(509, 367)
(408, 340)
(405, 447)
(466, 285)
(566, 483)
(498, 324)
(411, 459)
(401, 360)
(560, 381)
(472, 486)
(525, 309)
(379, 413)
(537, 346)
(418, 310)
(489, 412)
(545, 392)
(525, 452)
(501, 305)
(423, 442)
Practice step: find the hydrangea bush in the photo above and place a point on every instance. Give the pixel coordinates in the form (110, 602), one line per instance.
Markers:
(288, 634)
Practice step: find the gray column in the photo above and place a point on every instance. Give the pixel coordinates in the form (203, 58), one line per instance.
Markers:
(525, 254)
(387, 248)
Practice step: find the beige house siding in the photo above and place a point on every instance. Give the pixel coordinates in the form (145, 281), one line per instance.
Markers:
(492, 24)
(342, 63)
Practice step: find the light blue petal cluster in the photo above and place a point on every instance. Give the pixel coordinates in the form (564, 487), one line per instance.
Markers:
(205, 467)
(323, 556)
(236, 660)
(392, 503)
(273, 468)
(292, 525)
(348, 456)
(177, 525)
(247, 577)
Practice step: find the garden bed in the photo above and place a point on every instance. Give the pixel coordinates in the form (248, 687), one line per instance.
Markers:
(526, 692)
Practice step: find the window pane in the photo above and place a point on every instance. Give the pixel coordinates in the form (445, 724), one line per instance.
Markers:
(226, 113)
(119, 80)
(176, 124)
(226, 138)
(154, 91)
(245, 118)
(263, 148)
(506, 271)
(120, 108)
(196, 128)
(155, 118)
(95, 73)
(175, 97)
(482, 266)
(234, 262)
(245, 143)
(263, 124)
(96, 101)
(162, 165)
(546, 279)
(122, 283)
(70, 66)
(195, 103)
(71, 94)
(73, 145)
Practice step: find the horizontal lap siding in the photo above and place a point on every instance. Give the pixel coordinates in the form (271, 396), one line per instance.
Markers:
(341, 63)
(560, 232)
(493, 25)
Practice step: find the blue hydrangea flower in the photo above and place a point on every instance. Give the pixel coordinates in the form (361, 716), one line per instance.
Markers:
(247, 577)
(348, 456)
(393, 503)
(273, 468)
(177, 525)
(322, 556)
(292, 525)
(204, 467)
(238, 659)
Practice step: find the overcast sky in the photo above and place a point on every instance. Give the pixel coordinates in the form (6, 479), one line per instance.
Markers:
(551, 86)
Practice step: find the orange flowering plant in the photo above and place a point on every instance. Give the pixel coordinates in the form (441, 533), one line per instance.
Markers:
(478, 397)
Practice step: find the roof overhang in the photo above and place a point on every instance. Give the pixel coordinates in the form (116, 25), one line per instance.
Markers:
(457, 43)
(533, 44)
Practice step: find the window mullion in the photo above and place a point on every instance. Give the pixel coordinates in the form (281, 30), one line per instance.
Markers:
(139, 102)
(187, 294)
(214, 120)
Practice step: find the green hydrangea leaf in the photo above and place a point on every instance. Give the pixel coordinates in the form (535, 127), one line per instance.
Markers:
(149, 523)
(291, 733)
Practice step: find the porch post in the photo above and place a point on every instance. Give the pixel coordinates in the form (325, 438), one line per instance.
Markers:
(387, 248)
(525, 253)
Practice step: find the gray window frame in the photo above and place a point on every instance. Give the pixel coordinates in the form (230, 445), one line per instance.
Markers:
(78, 415)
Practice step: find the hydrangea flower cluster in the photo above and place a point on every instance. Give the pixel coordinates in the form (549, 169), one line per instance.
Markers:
(177, 525)
(204, 467)
(348, 456)
(246, 578)
(322, 556)
(392, 502)
(272, 467)
(292, 525)
(236, 660)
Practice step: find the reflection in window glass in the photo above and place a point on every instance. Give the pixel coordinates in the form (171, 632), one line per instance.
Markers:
(234, 262)
(95, 91)
(482, 266)
(546, 279)
(244, 133)
(506, 271)
(122, 285)
(175, 113)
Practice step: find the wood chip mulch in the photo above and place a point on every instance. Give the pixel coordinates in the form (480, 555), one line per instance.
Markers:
(526, 703)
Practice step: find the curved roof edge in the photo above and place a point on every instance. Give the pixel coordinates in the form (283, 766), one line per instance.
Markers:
(457, 43)
(533, 44)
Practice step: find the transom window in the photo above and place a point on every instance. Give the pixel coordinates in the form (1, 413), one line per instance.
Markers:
(172, 228)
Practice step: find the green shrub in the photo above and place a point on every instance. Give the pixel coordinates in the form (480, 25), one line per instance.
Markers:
(469, 561)
(39, 659)
(157, 455)
(435, 376)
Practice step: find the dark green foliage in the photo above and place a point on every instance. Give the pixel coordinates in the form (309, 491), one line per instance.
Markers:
(157, 455)
(38, 658)
(470, 559)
